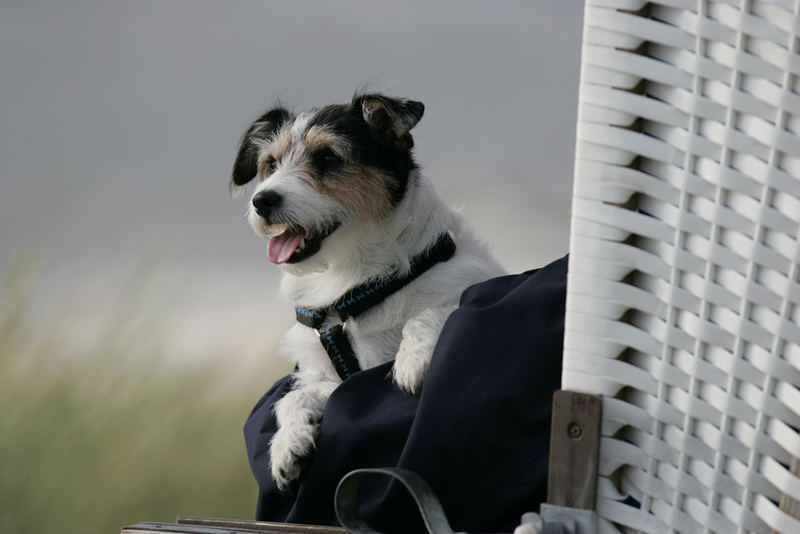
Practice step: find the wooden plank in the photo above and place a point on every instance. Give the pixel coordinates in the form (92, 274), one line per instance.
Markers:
(574, 446)
(258, 526)
(209, 525)
(172, 528)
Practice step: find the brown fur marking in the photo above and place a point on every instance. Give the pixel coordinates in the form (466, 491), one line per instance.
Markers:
(275, 148)
(362, 190)
(318, 137)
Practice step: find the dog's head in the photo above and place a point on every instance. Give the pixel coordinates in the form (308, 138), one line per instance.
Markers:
(324, 169)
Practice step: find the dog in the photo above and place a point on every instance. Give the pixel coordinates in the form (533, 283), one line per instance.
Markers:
(372, 256)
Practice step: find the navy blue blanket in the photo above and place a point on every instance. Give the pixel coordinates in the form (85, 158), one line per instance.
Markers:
(478, 432)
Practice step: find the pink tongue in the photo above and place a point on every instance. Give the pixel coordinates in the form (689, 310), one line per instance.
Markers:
(281, 247)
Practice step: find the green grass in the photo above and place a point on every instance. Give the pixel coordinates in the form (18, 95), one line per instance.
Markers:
(92, 442)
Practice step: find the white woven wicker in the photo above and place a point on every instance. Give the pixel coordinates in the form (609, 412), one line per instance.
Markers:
(682, 306)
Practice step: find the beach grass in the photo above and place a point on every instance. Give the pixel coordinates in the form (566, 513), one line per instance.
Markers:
(115, 436)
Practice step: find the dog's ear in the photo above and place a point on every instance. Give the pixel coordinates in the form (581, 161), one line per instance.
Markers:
(391, 118)
(245, 167)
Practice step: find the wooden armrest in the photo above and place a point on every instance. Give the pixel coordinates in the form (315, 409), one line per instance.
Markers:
(210, 525)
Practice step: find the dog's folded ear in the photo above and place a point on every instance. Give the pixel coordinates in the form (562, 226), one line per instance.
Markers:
(390, 117)
(245, 167)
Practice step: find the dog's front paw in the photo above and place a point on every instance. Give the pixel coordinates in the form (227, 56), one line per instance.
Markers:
(289, 451)
(409, 370)
(416, 348)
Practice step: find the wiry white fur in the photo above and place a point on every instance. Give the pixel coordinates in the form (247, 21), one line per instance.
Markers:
(300, 124)
(420, 334)
(301, 204)
(404, 327)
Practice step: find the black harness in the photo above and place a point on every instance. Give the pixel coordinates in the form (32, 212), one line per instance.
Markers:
(363, 297)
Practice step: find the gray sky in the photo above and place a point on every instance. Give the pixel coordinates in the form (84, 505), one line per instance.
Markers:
(120, 119)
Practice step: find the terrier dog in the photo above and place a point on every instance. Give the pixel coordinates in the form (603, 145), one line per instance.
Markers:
(372, 257)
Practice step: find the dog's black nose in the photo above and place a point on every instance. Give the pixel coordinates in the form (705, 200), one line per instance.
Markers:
(266, 201)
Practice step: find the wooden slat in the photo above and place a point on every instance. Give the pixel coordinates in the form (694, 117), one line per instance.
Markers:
(258, 526)
(172, 528)
(210, 525)
(574, 445)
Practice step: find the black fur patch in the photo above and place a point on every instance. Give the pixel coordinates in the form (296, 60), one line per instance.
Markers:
(245, 167)
(325, 160)
(375, 145)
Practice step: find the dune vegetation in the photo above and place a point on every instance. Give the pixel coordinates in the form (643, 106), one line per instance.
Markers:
(115, 435)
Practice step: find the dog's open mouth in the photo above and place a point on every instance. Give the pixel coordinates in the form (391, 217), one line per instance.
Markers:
(293, 245)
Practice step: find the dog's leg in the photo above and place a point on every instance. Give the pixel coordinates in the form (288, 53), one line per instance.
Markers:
(299, 412)
(420, 334)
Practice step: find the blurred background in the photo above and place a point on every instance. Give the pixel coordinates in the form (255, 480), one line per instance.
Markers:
(138, 311)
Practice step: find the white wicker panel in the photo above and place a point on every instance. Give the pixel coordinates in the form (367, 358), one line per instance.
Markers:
(684, 278)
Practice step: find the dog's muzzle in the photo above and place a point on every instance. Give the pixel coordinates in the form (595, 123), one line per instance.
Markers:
(266, 202)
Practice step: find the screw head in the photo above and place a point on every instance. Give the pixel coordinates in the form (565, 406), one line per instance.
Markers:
(575, 431)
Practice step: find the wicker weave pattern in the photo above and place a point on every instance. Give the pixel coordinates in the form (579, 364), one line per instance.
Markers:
(683, 295)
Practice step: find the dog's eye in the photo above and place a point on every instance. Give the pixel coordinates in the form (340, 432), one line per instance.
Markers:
(270, 164)
(326, 160)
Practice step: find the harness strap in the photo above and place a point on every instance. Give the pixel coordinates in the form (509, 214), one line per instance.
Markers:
(340, 351)
(310, 318)
(363, 297)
